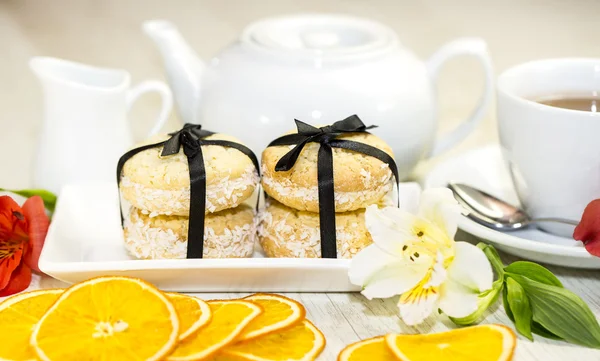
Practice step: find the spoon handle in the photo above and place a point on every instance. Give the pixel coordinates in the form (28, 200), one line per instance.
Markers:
(555, 220)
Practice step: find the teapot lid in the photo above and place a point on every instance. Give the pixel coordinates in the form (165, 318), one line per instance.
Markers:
(319, 35)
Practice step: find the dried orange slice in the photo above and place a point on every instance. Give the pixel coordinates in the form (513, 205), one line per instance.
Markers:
(18, 315)
(372, 349)
(484, 342)
(193, 313)
(108, 318)
(229, 318)
(303, 342)
(278, 313)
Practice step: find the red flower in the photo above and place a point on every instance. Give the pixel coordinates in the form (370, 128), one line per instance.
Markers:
(22, 235)
(588, 230)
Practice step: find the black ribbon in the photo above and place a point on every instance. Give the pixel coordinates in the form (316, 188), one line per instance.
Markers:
(326, 136)
(191, 138)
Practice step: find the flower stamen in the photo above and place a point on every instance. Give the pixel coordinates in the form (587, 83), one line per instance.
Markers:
(9, 248)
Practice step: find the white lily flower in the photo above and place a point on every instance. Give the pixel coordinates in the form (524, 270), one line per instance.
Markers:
(415, 256)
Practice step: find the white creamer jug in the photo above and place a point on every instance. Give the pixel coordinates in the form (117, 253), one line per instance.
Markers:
(85, 128)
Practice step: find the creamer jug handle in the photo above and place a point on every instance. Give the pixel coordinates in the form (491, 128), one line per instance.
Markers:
(166, 96)
(465, 46)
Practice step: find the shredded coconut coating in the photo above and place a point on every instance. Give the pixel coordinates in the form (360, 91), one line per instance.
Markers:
(359, 179)
(286, 232)
(227, 234)
(223, 195)
(307, 199)
(161, 185)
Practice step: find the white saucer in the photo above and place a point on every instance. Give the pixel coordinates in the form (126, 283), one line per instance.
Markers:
(484, 168)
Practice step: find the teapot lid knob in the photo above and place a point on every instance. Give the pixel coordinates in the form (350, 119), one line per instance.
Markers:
(320, 39)
(319, 35)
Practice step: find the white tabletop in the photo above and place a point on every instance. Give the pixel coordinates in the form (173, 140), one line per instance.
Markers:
(107, 34)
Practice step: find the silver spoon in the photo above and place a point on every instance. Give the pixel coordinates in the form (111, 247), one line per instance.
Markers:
(492, 212)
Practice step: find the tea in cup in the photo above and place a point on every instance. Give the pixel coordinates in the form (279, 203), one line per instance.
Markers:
(549, 127)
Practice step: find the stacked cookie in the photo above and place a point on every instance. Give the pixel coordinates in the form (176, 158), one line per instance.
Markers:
(289, 224)
(158, 189)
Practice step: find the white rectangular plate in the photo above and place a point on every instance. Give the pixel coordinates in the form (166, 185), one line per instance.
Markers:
(85, 240)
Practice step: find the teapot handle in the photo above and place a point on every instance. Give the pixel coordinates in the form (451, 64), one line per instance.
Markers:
(464, 46)
(167, 100)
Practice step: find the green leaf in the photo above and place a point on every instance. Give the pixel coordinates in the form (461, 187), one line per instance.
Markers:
(48, 197)
(535, 327)
(492, 255)
(542, 331)
(535, 272)
(520, 308)
(561, 312)
(507, 305)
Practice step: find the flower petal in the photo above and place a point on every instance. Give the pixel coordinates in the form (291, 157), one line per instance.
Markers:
(438, 273)
(13, 225)
(418, 303)
(20, 280)
(389, 227)
(10, 258)
(415, 313)
(439, 206)
(471, 268)
(588, 230)
(38, 222)
(367, 262)
(395, 279)
(409, 197)
(456, 300)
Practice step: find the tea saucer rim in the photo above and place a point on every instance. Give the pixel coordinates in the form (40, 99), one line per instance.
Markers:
(438, 177)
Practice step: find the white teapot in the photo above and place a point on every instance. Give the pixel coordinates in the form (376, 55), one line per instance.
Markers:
(319, 69)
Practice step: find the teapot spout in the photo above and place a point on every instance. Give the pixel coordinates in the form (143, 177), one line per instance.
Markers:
(184, 68)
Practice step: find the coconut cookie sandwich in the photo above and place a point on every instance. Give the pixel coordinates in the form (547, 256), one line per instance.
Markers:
(288, 232)
(318, 182)
(227, 234)
(186, 192)
(359, 180)
(161, 185)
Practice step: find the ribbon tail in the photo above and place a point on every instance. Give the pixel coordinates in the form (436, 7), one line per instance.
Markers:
(350, 124)
(195, 246)
(172, 146)
(201, 133)
(287, 162)
(326, 202)
(305, 128)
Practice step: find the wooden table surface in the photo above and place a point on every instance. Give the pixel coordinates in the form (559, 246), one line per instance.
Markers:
(106, 33)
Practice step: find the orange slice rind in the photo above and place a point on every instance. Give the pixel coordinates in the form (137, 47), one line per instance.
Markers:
(279, 312)
(303, 342)
(90, 319)
(483, 342)
(229, 318)
(193, 313)
(372, 349)
(124, 319)
(18, 315)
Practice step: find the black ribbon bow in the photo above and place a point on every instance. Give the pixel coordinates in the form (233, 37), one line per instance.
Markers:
(191, 138)
(326, 136)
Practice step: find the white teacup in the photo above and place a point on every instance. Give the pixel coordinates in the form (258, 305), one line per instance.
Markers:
(553, 153)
